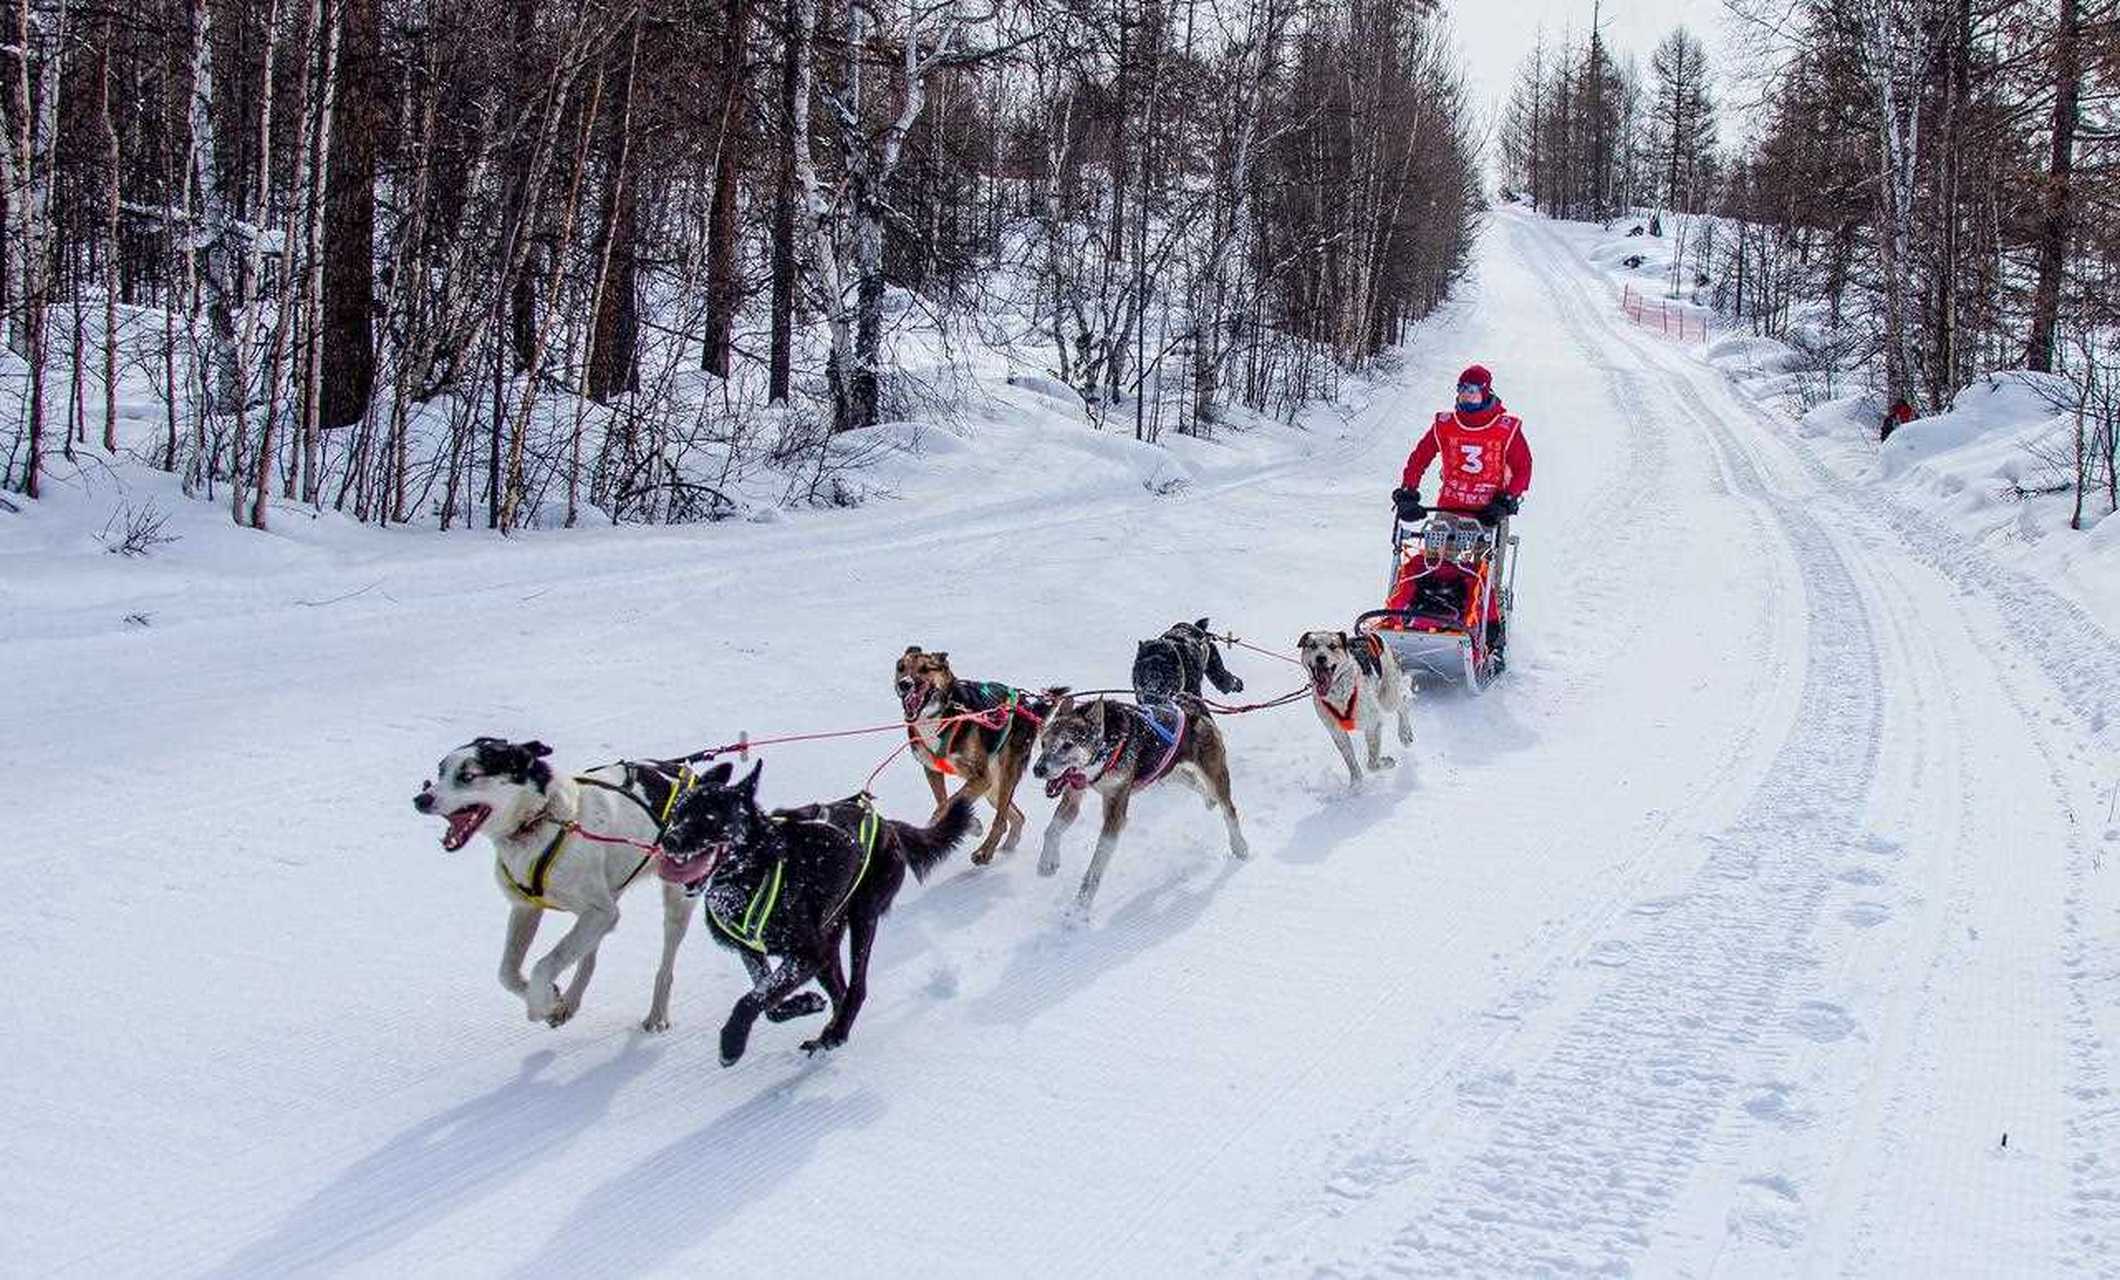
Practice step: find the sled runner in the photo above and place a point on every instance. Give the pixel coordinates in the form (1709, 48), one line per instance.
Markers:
(1448, 576)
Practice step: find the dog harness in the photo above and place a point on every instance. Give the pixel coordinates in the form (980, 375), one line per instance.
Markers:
(1172, 738)
(533, 893)
(1001, 712)
(750, 932)
(1373, 647)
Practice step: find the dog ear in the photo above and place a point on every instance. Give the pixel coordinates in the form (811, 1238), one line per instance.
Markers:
(1344, 642)
(1202, 624)
(1096, 714)
(749, 785)
(942, 657)
(537, 750)
(718, 776)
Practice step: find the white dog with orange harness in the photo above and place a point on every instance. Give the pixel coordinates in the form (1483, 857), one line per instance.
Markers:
(563, 843)
(1354, 683)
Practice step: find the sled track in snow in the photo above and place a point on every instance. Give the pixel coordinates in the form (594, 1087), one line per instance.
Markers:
(1592, 1147)
(2056, 654)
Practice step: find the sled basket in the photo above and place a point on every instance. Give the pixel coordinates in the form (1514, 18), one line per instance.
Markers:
(1454, 563)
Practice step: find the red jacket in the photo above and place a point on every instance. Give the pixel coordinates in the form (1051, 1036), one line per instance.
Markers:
(1484, 453)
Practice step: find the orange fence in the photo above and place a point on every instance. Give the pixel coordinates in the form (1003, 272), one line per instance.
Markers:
(1680, 321)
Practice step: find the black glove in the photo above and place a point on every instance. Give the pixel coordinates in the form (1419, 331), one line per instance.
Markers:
(1408, 502)
(1502, 504)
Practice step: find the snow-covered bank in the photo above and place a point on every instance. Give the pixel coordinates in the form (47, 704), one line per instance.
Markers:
(1021, 452)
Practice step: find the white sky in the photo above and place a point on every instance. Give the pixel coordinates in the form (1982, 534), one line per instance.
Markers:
(1496, 35)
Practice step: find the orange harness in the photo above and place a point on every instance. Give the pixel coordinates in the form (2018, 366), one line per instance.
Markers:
(1345, 718)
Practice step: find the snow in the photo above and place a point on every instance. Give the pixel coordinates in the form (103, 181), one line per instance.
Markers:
(1730, 932)
(1985, 426)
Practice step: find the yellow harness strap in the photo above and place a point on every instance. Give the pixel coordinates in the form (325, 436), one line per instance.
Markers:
(533, 894)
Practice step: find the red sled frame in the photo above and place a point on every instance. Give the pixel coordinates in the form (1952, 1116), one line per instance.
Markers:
(1454, 647)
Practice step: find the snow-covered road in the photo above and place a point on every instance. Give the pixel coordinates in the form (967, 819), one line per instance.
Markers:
(1731, 933)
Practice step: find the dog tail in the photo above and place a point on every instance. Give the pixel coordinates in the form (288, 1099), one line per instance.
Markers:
(925, 847)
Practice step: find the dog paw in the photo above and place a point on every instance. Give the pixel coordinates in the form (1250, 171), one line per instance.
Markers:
(1049, 864)
(982, 855)
(796, 1006)
(1384, 762)
(1240, 849)
(823, 1044)
(561, 1013)
(655, 1023)
(734, 1039)
(545, 1006)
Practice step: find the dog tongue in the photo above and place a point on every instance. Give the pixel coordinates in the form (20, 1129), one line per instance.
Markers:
(462, 825)
(684, 874)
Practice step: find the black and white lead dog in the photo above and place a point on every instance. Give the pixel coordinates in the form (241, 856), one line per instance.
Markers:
(1177, 662)
(787, 885)
(560, 843)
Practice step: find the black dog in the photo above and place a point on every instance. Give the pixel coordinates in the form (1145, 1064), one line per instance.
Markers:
(1177, 661)
(789, 884)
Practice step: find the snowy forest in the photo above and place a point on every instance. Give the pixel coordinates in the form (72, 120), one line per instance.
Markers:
(507, 262)
(1929, 192)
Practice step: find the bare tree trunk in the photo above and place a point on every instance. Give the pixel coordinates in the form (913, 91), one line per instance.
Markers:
(2056, 223)
(780, 352)
(1897, 153)
(253, 273)
(23, 178)
(614, 362)
(347, 342)
(307, 165)
(724, 293)
(512, 491)
(220, 389)
(313, 260)
(112, 206)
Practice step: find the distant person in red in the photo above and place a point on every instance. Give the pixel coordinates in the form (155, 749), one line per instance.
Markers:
(1486, 467)
(1900, 414)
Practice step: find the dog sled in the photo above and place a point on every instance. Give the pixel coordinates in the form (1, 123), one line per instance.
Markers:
(1447, 576)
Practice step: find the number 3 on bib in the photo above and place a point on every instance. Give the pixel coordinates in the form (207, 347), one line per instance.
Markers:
(1471, 458)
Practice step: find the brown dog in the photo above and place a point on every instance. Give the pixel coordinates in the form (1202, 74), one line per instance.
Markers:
(1115, 749)
(987, 755)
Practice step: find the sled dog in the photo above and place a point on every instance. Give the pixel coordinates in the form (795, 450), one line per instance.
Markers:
(1177, 662)
(1115, 750)
(1355, 682)
(561, 843)
(988, 756)
(788, 885)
